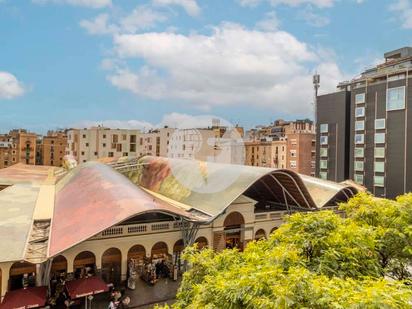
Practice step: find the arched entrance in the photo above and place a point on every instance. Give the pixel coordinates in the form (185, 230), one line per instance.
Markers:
(178, 247)
(274, 229)
(22, 274)
(58, 267)
(159, 250)
(260, 234)
(135, 263)
(233, 225)
(201, 243)
(84, 264)
(111, 266)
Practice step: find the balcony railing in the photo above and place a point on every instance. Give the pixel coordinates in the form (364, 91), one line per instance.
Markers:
(136, 229)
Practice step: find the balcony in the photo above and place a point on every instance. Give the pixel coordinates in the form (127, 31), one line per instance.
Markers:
(138, 229)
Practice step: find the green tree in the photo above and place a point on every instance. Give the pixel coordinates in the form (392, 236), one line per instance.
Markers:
(391, 221)
(314, 260)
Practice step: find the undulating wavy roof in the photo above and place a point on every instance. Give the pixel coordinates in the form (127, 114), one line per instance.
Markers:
(211, 187)
(95, 196)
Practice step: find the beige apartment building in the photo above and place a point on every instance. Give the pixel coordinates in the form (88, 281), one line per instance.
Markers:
(53, 148)
(155, 142)
(266, 153)
(283, 144)
(99, 142)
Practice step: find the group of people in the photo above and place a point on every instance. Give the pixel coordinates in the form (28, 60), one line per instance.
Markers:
(118, 301)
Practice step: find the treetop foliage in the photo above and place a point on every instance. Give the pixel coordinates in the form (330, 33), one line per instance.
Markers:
(314, 260)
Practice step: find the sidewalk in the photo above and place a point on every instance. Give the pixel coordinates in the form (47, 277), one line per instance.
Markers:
(145, 296)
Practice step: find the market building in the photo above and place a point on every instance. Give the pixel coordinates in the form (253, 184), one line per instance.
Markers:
(130, 220)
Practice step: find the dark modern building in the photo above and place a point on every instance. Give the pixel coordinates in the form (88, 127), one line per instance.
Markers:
(364, 129)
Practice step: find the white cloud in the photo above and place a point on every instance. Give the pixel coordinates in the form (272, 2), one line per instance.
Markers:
(95, 4)
(312, 18)
(269, 23)
(10, 87)
(98, 25)
(190, 6)
(172, 120)
(404, 9)
(231, 66)
(141, 18)
(318, 3)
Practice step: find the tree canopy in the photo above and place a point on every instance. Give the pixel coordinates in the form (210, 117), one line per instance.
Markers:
(314, 260)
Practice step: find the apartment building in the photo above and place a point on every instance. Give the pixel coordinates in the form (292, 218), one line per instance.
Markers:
(283, 144)
(18, 146)
(155, 142)
(53, 148)
(215, 144)
(267, 153)
(99, 142)
(363, 128)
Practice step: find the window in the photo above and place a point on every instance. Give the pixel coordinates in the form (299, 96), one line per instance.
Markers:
(84, 135)
(360, 112)
(379, 167)
(323, 152)
(323, 140)
(292, 164)
(293, 153)
(110, 154)
(82, 153)
(360, 98)
(359, 125)
(125, 154)
(87, 144)
(104, 145)
(359, 138)
(359, 152)
(132, 147)
(358, 179)
(124, 137)
(379, 152)
(379, 138)
(95, 153)
(379, 181)
(395, 98)
(324, 128)
(323, 164)
(104, 135)
(359, 166)
(379, 124)
(323, 175)
(396, 77)
(293, 142)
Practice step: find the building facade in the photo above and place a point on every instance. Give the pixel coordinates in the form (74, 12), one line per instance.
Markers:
(100, 142)
(363, 128)
(53, 148)
(18, 146)
(284, 144)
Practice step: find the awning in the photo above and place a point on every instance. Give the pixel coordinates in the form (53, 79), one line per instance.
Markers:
(85, 287)
(25, 298)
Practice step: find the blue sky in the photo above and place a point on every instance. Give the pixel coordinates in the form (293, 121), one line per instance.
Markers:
(129, 63)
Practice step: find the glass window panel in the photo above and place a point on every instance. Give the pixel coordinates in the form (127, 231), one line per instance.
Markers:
(323, 175)
(360, 112)
(358, 179)
(323, 164)
(395, 98)
(360, 98)
(323, 140)
(379, 123)
(323, 152)
(359, 166)
(379, 181)
(379, 152)
(379, 138)
(324, 128)
(359, 125)
(359, 138)
(359, 152)
(380, 167)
